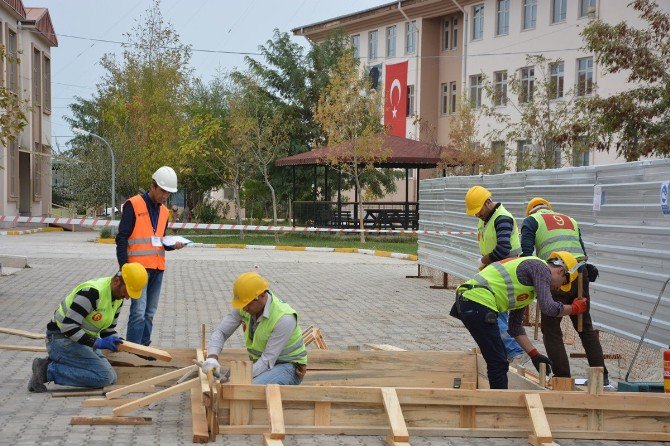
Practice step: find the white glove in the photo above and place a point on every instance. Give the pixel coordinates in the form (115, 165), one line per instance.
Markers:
(211, 364)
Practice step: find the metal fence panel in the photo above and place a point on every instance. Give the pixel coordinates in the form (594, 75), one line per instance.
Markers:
(628, 238)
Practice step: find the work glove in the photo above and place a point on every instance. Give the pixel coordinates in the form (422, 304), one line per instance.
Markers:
(538, 359)
(579, 306)
(108, 343)
(213, 365)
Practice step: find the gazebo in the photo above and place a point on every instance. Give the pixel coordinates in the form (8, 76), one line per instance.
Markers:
(404, 153)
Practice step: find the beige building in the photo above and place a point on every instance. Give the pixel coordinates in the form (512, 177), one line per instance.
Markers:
(25, 169)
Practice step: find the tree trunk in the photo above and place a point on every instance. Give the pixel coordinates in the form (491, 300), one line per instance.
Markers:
(266, 177)
(360, 205)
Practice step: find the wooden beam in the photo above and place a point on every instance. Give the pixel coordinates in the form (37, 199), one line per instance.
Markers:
(468, 413)
(24, 348)
(147, 382)
(562, 384)
(541, 429)
(154, 397)
(22, 333)
(110, 421)
(198, 417)
(269, 441)
(69, 393)
(542, 377)
(143, 350)
(595, 387)
(391, 442)
(275, 411)
(240, 373)
(384, 347)
(322, 413)
(394, 414)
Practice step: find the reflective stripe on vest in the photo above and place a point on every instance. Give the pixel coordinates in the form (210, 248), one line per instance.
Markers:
(140, 248)
(502, 291)
(488, 238)
(294, 350)
(556, 232)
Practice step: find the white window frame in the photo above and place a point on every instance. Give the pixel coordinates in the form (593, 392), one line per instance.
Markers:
(446, 34)
(557, 77)
(356, 44)
(528, 6)
(500, 88)
(560, 8)
(411, 105)
(444, 99)
(454, 37)
(588, 73)
(527, 77)
(410, 37)
(504, 15)
(391, 41)
(373, 47)
(478, 22)
(453, 97)
(585, 5)
(476, 88)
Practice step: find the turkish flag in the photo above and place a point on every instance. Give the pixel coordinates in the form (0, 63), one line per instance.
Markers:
(395, 98)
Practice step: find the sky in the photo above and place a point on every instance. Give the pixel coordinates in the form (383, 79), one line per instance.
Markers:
(220, 25)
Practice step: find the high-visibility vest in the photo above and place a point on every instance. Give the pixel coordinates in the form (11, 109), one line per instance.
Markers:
(487, 237)
(497, 286)
(294, 350)
(140, 249)
(103, 314)
(556, 232)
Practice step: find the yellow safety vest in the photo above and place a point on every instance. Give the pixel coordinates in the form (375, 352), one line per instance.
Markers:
(488, 239)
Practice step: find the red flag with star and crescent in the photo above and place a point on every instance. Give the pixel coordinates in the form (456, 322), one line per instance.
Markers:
(395, 98)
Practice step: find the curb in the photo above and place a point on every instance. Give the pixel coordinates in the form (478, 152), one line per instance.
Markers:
(30, 231)
(369, 252)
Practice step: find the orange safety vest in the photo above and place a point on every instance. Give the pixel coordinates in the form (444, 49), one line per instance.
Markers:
(140, 248)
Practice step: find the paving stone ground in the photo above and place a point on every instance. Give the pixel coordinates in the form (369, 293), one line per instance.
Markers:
(354, 299)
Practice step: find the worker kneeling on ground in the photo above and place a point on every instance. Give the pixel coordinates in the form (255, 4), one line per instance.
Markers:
(271, 333)
(513, 284)
(83, 325)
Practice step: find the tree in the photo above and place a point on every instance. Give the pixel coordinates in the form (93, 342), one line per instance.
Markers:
(636, 120)
(351, 117)
(547, 116)
(13, 118)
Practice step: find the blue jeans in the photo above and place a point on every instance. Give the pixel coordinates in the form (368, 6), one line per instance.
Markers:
(142, 310)
(512, 348)
(78, 365)
(487, 336)
(283, 374)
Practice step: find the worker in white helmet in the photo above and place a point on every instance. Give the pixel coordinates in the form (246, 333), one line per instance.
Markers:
(143, 224)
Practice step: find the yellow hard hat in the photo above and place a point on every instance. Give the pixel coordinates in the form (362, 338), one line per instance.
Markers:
(569, 264)
(535, 202)
(135, 277)
(475, 199)
(247, 287)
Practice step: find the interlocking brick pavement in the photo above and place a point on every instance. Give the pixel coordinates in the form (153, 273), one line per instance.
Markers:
(355, 299)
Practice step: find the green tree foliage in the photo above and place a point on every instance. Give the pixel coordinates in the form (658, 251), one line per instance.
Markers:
(13, 118)
(636, 120)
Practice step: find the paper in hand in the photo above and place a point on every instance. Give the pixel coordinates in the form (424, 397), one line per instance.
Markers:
(172, 240)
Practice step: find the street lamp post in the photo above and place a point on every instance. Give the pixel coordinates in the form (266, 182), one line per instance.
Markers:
(83, 132)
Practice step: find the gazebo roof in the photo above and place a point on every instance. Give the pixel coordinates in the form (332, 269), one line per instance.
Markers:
(405, 152)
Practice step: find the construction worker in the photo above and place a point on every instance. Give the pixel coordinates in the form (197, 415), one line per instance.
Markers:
(544, 231)
(512, 284)
(272, 334)
(84, 324)
(141, 229)
(498, 238)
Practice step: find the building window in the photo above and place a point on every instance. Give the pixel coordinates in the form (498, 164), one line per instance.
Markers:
(558, 161)
(500, 88)
(529, 14)
(446, 34)
(454, 29)
(498, 150)
(390, 41)
(12, 65)
(410, 100)
(477, 22)
(372, 45)
(585, 6)
(444, 99)
(556, 80)
(37, 77)
(524, 149)
(13, 164)
(476, 88)
(502, 12)
(46, 84)
(527, 84)
(584, 76)
(37, 172)
(356, 45)
(580, 154)
(452, 97)
(410, 37)
(558, 10)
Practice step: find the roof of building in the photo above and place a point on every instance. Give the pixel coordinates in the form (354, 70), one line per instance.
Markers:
(16, 7)
(42, 20)
(404, 153)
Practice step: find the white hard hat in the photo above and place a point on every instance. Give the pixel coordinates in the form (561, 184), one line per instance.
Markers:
(166, 178)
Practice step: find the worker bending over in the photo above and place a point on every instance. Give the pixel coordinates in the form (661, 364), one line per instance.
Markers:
(271, 333)
(545, 231)
(513, 284)
(83, 325)
(498, 238)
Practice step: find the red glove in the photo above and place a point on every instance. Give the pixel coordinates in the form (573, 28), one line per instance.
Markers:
(579, 306)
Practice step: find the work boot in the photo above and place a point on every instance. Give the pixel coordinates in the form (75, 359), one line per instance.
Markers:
(39, 377)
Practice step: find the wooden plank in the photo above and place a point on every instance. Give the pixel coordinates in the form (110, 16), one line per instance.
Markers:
(24, 348)
(580, 294)
(240, 411)
(394, 414)
(143, 350)
(322, 413)
(269, 441)
(538, 418)
(596, 417)
(468, 416)
(154, 397)
(542, 376)
(204, 383)
(275, 411)
(147, 382)
(198, 417)
(562, 384)
(384, 347)
(22, 333)
(391, 442)
(104, 402)
(71, 393)
(110, 421)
